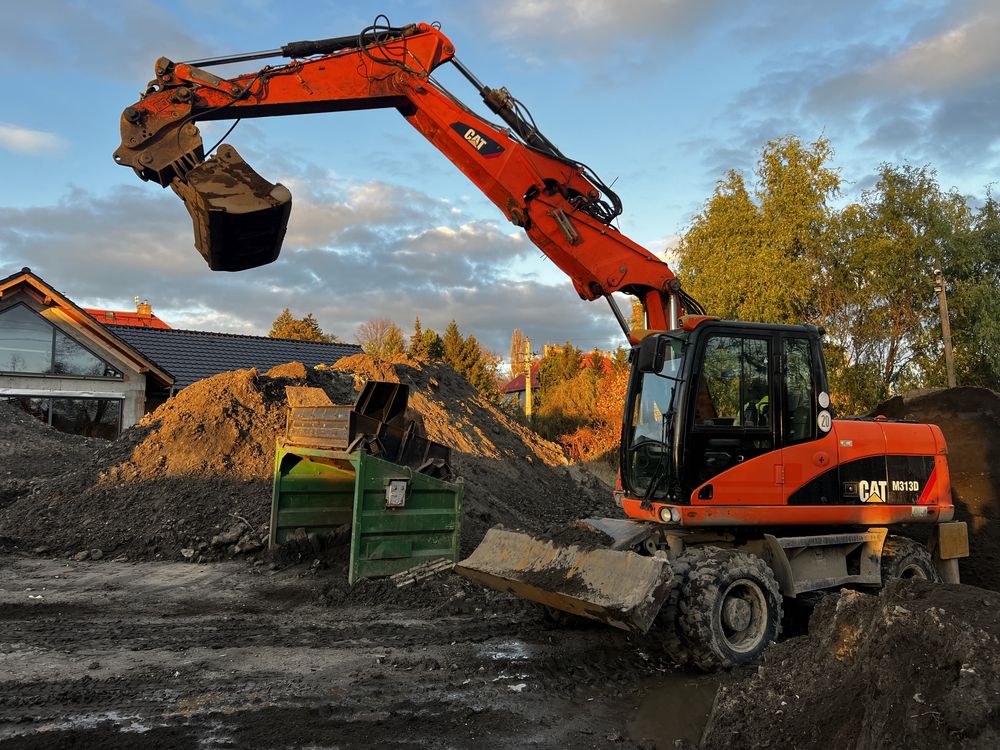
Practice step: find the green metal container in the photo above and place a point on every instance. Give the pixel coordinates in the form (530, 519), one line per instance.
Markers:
(399, 517)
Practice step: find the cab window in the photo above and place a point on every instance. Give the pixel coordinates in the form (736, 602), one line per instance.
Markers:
(734, 389)
(800, 396)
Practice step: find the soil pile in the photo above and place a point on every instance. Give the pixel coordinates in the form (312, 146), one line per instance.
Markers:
(193, 479)
(970, 421)
(31, 451)
(916, 667)
(512, 475)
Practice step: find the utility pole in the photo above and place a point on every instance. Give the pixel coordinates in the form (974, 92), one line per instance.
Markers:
(527, 378)
(939, 287)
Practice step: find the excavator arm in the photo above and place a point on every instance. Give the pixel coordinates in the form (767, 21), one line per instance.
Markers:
(240, 218)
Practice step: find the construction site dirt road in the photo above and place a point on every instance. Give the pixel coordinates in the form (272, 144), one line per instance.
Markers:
(173, 655)
(138, 604)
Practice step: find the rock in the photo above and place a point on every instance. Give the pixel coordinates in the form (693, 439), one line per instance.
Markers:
(94, 665)
(228, 538)
(187, 553)
(81, 556)
(96, 554)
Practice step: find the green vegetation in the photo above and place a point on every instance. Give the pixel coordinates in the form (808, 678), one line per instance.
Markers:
(286, 326)
(781, 252)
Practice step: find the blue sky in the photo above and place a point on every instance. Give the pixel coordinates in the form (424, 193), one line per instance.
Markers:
(661, 96)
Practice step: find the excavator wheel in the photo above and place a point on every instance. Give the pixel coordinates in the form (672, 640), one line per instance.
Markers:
(667, 627)
(729, 608)
(906, 558)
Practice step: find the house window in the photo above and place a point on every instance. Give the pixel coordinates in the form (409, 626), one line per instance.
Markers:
(31, 344)
(93, 417)
(25, 341)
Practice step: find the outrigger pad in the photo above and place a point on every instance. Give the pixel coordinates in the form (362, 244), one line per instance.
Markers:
(239, 217)
(616, 587)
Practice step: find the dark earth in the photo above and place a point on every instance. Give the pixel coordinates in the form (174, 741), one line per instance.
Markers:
(177, 655)
(140, 608)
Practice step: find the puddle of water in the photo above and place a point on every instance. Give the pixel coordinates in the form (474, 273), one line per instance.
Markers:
(505, 676)
(508, 650)
(126, 723)
(674, 707)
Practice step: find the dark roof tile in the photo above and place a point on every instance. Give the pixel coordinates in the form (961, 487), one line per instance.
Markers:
(194, 355)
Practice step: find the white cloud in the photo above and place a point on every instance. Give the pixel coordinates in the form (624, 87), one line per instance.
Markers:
(27, 141)
(341, 267)
(606, 18)
(585, 30)
(943, 64)
(120, 40)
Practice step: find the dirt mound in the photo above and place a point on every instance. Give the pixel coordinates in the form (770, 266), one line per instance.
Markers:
(33, 451)
(970, 421)
(193, 479)
(193, 476)
(916, 667)
(293, 370)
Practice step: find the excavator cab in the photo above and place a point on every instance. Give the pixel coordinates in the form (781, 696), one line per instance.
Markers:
(705, 400)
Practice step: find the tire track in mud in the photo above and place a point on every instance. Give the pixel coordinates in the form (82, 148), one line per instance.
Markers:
(237, 666)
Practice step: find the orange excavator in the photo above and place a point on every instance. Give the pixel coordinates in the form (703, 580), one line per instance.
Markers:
(738, 488)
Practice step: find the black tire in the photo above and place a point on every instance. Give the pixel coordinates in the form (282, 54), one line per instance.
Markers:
(905, 558)
(729, 609)
(667, 627)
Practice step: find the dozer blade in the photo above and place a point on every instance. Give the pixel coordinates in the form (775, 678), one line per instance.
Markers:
(239, 217)
(616, 587)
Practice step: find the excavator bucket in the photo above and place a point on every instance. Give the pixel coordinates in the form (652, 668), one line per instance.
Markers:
(617, 587)
(239, 217)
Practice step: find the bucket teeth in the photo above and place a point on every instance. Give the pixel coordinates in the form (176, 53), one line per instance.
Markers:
(239, 217)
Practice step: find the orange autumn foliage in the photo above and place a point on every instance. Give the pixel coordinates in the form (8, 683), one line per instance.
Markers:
(600, 437)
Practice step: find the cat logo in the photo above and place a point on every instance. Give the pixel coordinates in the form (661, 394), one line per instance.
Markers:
(475, 139)
(872, 492)
(483, 144)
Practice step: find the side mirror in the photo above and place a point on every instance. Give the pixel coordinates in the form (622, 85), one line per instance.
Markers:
(652, 352)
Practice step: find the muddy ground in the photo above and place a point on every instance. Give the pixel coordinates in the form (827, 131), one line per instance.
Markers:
(109, 639)
(913, 667)
(174, 655)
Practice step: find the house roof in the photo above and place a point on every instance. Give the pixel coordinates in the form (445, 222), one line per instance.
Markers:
(125, 318)
(49, 295)
(590, 360)
(194, 355)
(517, 384)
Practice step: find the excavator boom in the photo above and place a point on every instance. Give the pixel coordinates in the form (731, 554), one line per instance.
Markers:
(240, 218)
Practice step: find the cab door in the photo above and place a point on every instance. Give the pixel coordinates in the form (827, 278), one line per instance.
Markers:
(731, 456)
(809, 451)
